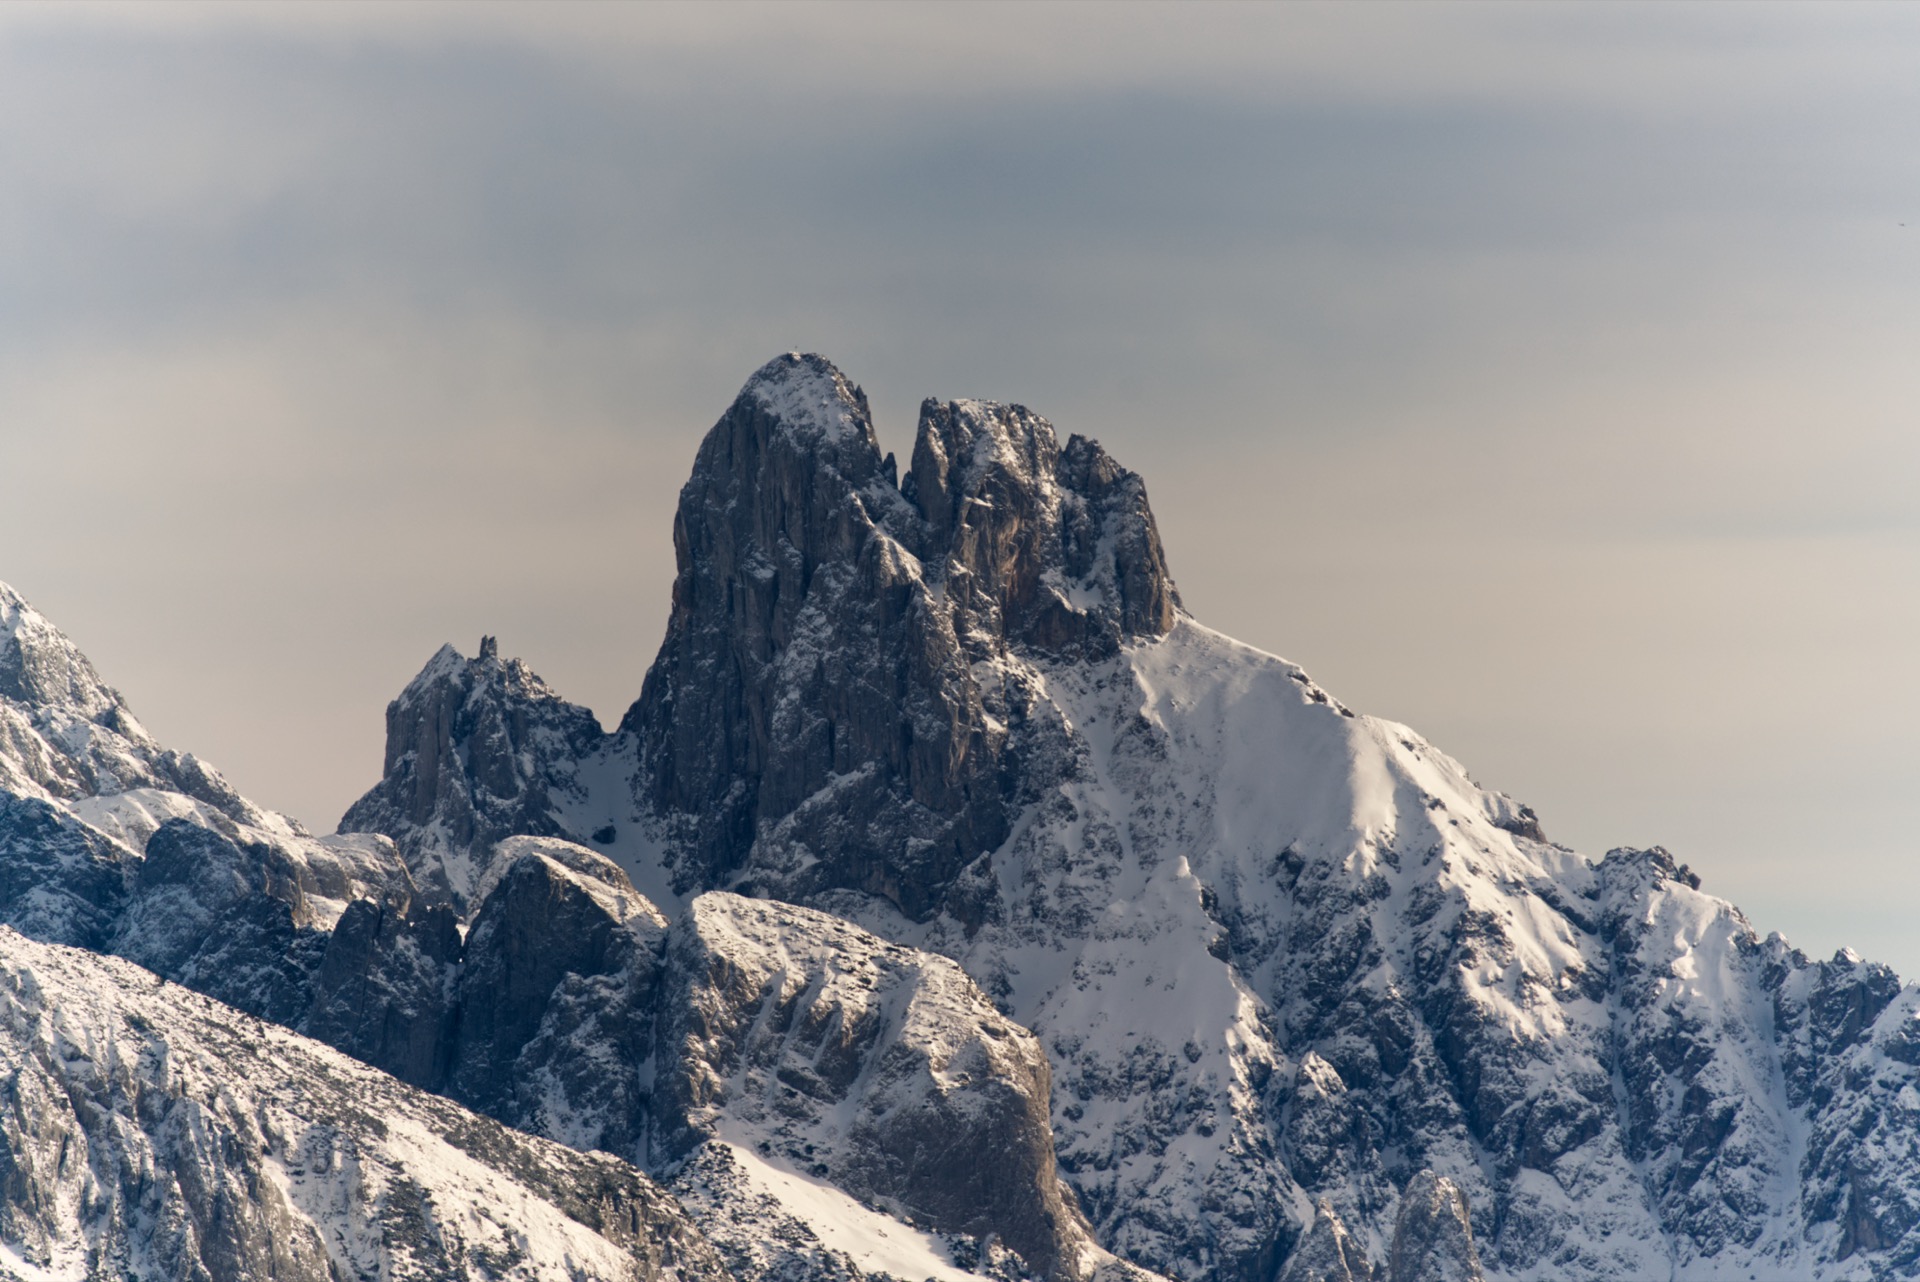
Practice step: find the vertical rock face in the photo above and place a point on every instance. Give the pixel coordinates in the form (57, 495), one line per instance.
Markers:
(381, 989)
(556, 998)
(1047, 549)
(477, 750)
(808, 682)
(147, 1132)
(1433, 1236)
(881, 1068)
(1327, 1253)
(541, 1016)
(60, 880)
(818, 716)
(227, 919)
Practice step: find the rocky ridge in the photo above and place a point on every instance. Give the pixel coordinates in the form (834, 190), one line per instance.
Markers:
(1309, 998)
(880, 1069)
(477, 749)
(1278, 953)
(148, 1133)
(539, 1004)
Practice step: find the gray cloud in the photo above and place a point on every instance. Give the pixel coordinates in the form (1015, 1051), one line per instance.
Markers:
(1539, 376)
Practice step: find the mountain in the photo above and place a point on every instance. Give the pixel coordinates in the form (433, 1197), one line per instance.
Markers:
(950, 903)
(540, 988)
(1279, 954)
(149, 1133)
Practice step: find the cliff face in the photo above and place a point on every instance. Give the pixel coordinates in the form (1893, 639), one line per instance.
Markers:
(152, 1133)
(981, 856)
(826, 711)
(882, 1069)
(477, 749)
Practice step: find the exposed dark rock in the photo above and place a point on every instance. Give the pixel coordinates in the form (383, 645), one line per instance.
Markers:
(477, 750)
(383, 988)
(60, 880)
(1327, 1253)
(814, 719)
(882, 1068)
(556, 998)
(1433, 1235)
(227, 919)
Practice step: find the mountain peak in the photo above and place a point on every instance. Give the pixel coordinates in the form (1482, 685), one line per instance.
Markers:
(41, 669)
(805, 392)
(1052, 549)
(477, 749)
(817, 601)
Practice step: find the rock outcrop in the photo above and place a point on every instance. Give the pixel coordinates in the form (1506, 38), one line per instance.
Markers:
(1327, 1252)
(1433, 1236)
(537, 1006)
(824, 712)
(477, 750)
(148, 1132)
(556, 998)
(65, 735)
(879, 1068)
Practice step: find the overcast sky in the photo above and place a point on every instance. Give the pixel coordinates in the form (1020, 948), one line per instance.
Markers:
(1545, 377)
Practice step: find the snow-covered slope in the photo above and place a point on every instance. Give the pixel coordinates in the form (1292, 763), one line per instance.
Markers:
(152, 1133)
(526, 988)
(84, 786)
(1278, 953)
(810, 1044)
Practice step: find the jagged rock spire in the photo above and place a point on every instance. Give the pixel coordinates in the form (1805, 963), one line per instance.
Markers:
(1327, 1252)
(1433, 1237)
(477, 750)
(816, 717)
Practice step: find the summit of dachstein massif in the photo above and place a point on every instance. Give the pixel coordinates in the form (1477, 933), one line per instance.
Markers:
(950, 904)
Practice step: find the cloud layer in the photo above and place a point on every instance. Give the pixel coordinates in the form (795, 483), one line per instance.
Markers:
(1540, 376)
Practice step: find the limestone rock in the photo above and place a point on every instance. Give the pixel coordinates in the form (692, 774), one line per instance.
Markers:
(477, 750)
(819, 716)
(1327, 1252)
(556, 998)
(149, 1132)
(882, 1069)
(1433, 1236)
(382, 990)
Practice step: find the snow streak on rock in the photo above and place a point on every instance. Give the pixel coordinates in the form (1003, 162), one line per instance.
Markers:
(149, 1132)
(883, 1070)
(1304, 1000)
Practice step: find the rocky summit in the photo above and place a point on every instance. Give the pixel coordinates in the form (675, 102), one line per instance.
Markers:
(949, 904)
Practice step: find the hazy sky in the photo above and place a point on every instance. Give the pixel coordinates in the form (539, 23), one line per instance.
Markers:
(1546, 377)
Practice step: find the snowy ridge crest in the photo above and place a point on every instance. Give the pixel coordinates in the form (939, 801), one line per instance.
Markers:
(1239, 984)
(154, 1133)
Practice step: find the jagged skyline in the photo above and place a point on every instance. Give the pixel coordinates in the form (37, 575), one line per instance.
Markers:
(973, 791)
(1537, 379)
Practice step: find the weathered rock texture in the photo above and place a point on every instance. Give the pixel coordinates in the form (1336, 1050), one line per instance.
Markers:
(556, 998)
(1433, 1236)
(149, 1133)
(1277, 953)
(1327, 1252)
(878, 1067)
(537, 1006)
(819, 715)
(477, 750)
(66, 736)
